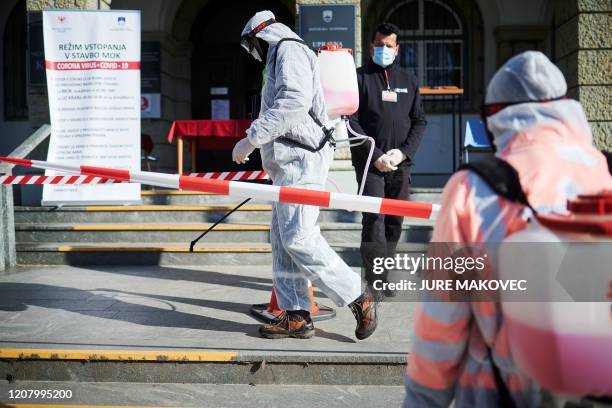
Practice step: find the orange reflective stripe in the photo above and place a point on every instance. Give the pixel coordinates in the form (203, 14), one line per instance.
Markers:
(517, 383)
(432, 374)
(428, 328)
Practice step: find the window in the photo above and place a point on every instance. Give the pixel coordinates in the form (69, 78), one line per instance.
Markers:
(14, 65)
(431, 41)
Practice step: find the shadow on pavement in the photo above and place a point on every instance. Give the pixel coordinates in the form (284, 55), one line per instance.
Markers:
(18, 296)
(333, 336)
(214, 304)
(195, 275)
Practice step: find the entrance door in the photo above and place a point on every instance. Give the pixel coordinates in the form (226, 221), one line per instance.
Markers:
(215, 93)
(226, 80)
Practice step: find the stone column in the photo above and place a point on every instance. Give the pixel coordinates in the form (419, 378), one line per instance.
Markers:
(38, 104)
(7, 225)
(583, 51)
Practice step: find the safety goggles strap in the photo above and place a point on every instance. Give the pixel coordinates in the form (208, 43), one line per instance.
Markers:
(261, 26)
(492, 108)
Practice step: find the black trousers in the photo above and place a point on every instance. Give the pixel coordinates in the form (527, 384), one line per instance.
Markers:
(380, 233)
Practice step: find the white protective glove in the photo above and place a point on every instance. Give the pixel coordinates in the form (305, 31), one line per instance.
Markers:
(242, 150)
(384, 164)
(396, 156)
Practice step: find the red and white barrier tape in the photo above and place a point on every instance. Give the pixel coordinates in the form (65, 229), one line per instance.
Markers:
(233, 175)
(341, 201)
(74, 180)
(35, 179)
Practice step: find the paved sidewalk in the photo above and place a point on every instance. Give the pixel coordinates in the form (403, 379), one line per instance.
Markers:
(173, 308)
(212, 395)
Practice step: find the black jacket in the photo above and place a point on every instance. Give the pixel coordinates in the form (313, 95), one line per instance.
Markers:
(398, 125)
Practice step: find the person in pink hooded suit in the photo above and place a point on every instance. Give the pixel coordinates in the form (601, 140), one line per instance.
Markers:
(547, 139)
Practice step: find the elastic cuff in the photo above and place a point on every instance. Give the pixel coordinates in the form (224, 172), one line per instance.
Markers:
(406, 155)
(375, 156)
(251, 135)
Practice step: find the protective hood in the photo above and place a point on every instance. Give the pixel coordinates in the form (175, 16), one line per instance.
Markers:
(272, 33)
(527, 77)
(292, 88)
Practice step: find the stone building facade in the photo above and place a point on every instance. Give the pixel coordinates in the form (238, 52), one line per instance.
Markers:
(583, 51)
(198, 39)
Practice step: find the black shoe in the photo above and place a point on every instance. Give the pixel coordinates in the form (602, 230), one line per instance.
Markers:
(288, 325)
(365, 309)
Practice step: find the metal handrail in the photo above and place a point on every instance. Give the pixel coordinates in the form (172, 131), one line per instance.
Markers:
(32, 142)
(8, 254)
(27, 146)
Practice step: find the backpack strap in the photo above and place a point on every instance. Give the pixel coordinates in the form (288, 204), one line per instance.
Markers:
(328, 137)
(328, 133)
(297, 40)
(501, 177)
(504, 180)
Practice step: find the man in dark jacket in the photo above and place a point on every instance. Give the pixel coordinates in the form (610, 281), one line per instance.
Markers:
(390, 111)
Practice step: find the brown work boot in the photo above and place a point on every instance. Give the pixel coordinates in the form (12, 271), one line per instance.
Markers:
(365, 309)
(288, 325)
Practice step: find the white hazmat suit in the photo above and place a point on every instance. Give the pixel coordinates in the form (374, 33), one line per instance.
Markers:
(291, 89)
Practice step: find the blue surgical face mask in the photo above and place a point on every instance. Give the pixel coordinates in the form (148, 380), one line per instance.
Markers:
(383, 56)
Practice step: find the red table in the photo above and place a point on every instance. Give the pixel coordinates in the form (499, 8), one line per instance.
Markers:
(209, 134)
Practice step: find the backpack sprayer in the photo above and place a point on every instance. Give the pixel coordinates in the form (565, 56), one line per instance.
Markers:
(341, 93)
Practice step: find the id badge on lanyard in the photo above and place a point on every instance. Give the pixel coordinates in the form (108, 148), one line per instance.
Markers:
(388, 95)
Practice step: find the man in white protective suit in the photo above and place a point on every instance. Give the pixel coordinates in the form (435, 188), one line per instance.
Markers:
(296, 152)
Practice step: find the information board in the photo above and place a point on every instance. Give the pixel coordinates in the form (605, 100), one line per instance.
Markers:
(92, 61)
(322, 24)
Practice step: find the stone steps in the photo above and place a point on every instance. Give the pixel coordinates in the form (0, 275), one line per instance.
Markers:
(169, 253)
(257, 213)
(159, 231)
(186, 232)
(91, 327)
(203, 367)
